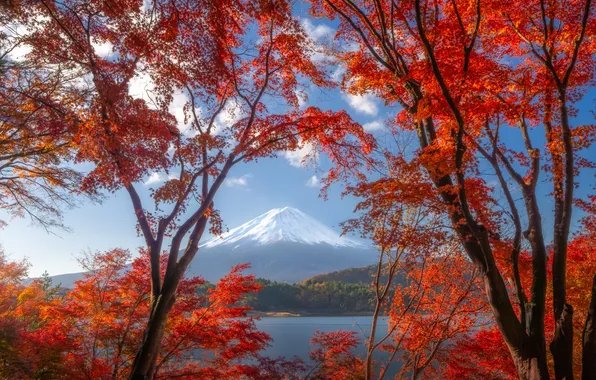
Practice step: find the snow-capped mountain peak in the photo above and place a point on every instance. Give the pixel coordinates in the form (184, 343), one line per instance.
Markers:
(285, 224)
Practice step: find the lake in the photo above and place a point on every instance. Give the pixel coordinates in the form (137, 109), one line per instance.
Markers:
(291, 335)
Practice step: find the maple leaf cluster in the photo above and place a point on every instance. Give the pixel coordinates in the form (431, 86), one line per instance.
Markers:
(93, 330)
(485, 354)
(482, 86)
(238, 67)
(487, 89)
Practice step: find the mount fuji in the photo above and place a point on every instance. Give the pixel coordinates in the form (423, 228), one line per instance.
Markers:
(286, 224)
(283, 244)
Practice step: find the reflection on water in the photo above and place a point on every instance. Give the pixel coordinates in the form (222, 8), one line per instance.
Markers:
(291, 335)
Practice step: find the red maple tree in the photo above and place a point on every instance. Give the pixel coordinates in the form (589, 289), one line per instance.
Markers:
(486, 354)
(232, 60)
(93, 330)
(469, 77)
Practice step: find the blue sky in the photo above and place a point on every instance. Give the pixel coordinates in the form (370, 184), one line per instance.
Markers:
(251, 189)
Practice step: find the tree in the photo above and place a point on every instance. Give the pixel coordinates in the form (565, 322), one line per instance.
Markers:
(205, 50)
(21, 305)
(470, 359)
(333, 356)
(486, 355)
(422, 283)
(313, 295)
(36, 177)
(92, 331)
(438, 302)
(462, 71)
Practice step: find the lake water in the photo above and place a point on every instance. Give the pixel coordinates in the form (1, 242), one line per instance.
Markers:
(291, 335)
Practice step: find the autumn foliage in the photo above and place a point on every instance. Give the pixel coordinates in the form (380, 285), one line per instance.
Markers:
(434, 302)
(333, 355)
(440, 328)
(493, 92)
(21, 355)
(483, 86)
(37, 180)
(93, 330)
(485, 355)
(228, 60)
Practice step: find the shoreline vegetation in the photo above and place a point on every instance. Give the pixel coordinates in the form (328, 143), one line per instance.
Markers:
(342, 293)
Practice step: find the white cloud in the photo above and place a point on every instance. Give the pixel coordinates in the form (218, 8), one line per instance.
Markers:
(229, 116)
(140, 86)
(363, 103)
(103, 49)
(302, 98)
(12, 32)
(313, 182)
(238, 181)
(320, 34)
(319, 57)
(156, 178)
(179, 99)
(337, 74)
(298, 157)
(147, 5)
(317, 32)
(376, 125)
(231, 113)
(18, 53)
(352, 46)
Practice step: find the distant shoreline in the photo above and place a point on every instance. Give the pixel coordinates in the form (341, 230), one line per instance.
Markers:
(285, 314)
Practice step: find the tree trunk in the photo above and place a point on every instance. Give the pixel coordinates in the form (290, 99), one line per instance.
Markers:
(371, 342)
(562, 345)
(528, 352)
(531, 366)
(589, 340)
(144, 363)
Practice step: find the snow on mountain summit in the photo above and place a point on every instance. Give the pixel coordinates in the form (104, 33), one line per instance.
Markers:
(285, 224)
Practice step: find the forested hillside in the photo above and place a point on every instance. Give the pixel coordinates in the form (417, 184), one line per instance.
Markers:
(364, 275)
(346, 291)
(331, 297)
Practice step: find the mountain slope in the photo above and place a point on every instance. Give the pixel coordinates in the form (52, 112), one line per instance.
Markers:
(364, 275)
(67, 280)
(285, 224)
(282, 244)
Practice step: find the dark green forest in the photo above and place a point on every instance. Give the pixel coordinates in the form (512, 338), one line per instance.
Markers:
(313, 297)
(345, 291)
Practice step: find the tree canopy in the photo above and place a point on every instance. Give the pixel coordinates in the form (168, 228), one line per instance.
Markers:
(474, 223)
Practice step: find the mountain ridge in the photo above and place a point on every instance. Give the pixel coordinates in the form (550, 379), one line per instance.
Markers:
(283, 244)
(283, 224)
